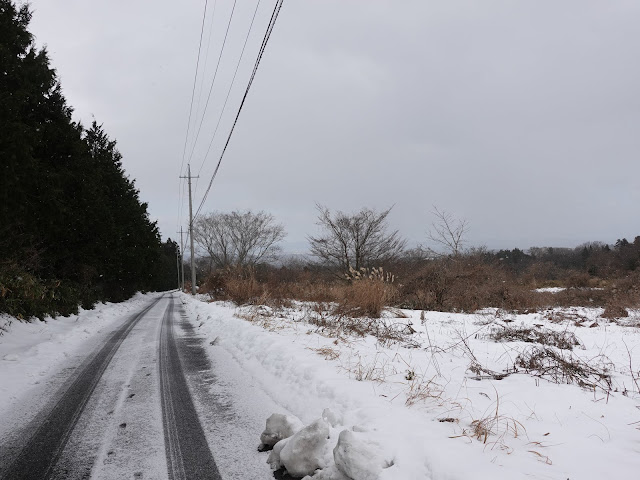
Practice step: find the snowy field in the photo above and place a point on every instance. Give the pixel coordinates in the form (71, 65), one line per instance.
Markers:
(491, 395)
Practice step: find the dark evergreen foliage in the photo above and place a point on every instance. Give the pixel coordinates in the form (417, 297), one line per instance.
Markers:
(72, 227)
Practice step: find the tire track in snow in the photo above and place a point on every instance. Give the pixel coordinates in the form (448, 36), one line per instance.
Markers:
(42, 451)
(187, 450)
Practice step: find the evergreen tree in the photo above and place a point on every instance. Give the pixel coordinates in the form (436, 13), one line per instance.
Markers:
(72, 227)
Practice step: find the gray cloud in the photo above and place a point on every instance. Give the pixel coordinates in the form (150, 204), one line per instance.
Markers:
(520, 116)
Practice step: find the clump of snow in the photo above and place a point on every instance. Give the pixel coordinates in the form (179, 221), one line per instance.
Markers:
(331, 417)
(550, 289)
(274, 456)
(359, 458)
(355, 455)
(304, 452)
(279, 427)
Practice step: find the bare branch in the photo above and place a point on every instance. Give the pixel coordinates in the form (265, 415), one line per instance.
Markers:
(239, 238)
(448, 231)
(355, 240)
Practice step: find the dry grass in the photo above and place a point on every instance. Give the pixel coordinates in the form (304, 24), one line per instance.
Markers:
(421, 389)
(559, 367)
(327, 352)
(464, 284)
(388, 331)
(494, 425)
(262, 316)
(564, 339)
(376, 370)
(364, 298)
(492, 429)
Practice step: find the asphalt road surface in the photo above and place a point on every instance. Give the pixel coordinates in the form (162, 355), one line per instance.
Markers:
(127, 411)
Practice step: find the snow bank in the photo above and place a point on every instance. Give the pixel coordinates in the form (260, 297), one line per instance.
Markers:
(415, 413)
(30, 353)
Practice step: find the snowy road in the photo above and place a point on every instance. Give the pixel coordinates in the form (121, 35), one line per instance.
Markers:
(126, 411)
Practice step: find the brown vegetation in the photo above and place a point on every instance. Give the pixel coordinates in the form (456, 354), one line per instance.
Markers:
(464, 283)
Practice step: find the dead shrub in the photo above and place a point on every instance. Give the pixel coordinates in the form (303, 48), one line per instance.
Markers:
(213, 284)
(559, 367)
(578, 280)
(465, 283)
(564, 340)
(236, 284)
(572, 297)
(242, 288)
(368, 292)
(364, 298)
(613, 311)
(332, 324)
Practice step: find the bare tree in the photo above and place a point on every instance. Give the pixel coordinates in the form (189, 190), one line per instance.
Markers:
(238, 238)
(448, 232)
(355, 240)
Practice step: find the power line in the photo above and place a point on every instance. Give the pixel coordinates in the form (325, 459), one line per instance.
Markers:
(267, 35)
(229, 91)
(193, 92)
(206, 58)
(215, 74)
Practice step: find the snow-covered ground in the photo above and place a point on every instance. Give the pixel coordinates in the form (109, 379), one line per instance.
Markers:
(445, 400)
(438, 405)
(31, 353)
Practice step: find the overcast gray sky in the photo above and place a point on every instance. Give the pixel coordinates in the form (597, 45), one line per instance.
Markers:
(521, 116)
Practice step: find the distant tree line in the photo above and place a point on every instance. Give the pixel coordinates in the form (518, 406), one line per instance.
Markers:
(357, 257)
(363, 239)
(72, 227)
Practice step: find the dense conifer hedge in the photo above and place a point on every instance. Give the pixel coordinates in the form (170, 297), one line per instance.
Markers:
(73, 230)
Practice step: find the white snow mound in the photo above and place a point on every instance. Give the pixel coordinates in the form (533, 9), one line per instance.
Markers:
(274, 456)
(304, 452)
(359, 459)
(278, 427)
(331, 417)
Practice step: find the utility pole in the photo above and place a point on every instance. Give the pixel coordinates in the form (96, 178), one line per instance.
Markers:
(182, 257)
(193, 265)
(178, 267)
